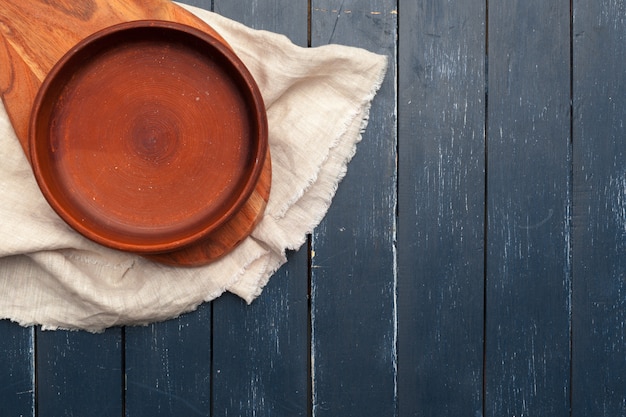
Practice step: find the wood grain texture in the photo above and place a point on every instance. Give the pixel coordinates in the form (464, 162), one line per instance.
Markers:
(528, 279)
(353, 269)
(599, 223)
(17, 370)
(261, 351)
(441, 207)
(168, 367)
(79, 373)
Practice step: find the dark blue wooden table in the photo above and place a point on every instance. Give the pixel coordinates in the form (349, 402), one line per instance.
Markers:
(473, 262)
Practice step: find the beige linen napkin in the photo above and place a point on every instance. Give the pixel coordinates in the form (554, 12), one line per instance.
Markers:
(317, 103)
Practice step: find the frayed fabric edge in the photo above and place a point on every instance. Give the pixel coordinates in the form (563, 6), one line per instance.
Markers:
(363, 111)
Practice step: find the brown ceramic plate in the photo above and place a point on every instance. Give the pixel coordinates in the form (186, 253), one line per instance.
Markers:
(148, 136)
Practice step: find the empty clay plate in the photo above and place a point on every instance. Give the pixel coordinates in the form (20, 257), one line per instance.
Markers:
(147, 136)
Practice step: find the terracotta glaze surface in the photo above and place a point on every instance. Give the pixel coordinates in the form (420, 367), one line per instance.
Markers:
(148, 136)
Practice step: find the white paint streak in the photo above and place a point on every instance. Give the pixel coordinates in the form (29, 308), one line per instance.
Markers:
(312, 342)
(618, 185)
(394, 209)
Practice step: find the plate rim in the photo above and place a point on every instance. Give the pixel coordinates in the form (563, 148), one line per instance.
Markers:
(199, 233)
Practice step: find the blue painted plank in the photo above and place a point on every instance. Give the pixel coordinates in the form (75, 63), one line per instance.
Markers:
(17, 370)
(529, 178)
(168, 367)
(599, 245)
(289, 18)
(261, 351)
(441, 207)
(79, 373)
(353, 275)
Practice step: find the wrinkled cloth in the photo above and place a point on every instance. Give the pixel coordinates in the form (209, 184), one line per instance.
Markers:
(317, 102)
